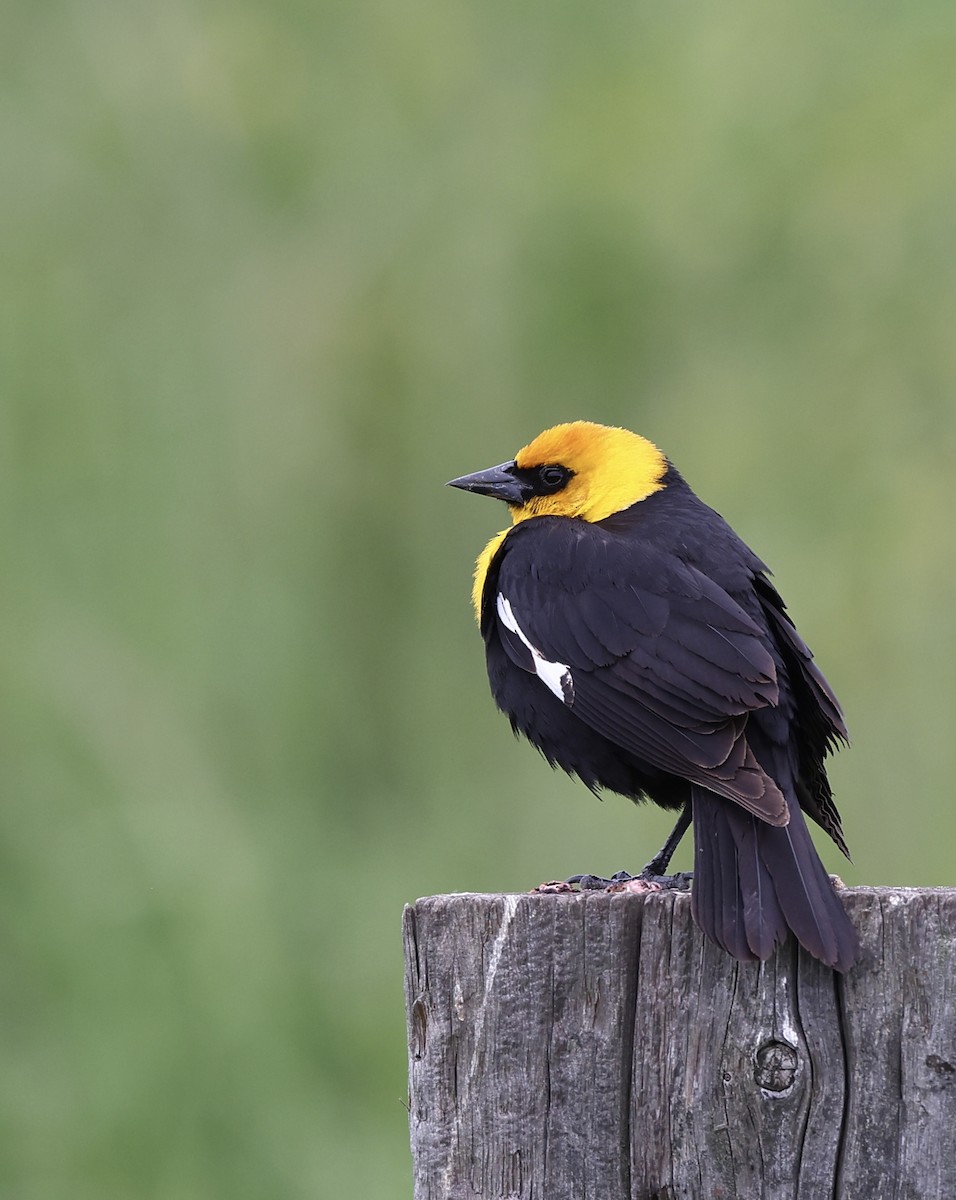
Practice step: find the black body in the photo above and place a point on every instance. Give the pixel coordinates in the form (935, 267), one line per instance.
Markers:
(689, 685)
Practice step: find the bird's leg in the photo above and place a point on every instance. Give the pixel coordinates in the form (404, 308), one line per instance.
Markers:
(652, 878)
(662, 859)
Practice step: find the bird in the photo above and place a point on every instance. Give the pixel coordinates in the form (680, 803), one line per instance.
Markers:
(639, 644)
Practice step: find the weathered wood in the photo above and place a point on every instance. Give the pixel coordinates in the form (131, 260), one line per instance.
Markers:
(597, 1047)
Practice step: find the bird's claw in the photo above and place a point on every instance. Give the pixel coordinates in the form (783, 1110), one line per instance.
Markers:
(621, 881)
(648, 881)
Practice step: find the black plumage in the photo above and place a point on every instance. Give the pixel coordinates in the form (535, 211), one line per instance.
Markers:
(647, 652)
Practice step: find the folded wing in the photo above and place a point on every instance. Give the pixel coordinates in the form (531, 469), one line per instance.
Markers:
(644, 648)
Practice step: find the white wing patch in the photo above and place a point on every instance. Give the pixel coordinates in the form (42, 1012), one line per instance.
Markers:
(556, 675)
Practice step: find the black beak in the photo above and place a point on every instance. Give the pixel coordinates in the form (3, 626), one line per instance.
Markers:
(503, 482)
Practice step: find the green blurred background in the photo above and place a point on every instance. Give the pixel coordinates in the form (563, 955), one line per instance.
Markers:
(272, 273)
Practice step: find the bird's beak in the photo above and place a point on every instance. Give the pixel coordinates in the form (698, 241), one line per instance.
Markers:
(502, 482)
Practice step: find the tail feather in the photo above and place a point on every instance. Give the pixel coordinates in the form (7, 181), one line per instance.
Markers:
(716, 900)
(803, 887)
(764, 919)
(754, 882)
(730, 892)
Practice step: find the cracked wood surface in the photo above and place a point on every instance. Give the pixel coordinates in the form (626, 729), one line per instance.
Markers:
(597, 1047)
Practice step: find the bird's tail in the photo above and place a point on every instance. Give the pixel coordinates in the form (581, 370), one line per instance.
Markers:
(754, 883)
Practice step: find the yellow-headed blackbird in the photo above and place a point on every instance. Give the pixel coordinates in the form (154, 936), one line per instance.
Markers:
(635, 640)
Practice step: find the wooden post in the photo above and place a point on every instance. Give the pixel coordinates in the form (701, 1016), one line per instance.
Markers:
(598, 1047)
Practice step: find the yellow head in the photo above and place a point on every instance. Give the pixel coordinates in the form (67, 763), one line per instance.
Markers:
(610, 469)
(579, 469)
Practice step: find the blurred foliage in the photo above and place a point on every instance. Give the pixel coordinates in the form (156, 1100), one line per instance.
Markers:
(272, 273)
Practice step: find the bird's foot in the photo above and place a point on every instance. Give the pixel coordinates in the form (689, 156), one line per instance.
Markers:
(622, 881)
(647, 882)
(657, 866)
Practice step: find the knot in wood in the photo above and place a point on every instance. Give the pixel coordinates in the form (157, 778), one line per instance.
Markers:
(775, 1066)
(942, 1068)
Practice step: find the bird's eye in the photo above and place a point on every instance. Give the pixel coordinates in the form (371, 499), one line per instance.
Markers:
(552, 477)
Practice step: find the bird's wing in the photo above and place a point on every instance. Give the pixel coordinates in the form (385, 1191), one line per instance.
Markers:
(643, 647)
(821, 717)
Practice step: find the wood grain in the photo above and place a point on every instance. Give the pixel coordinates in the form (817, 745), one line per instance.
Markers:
(597, 1047)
